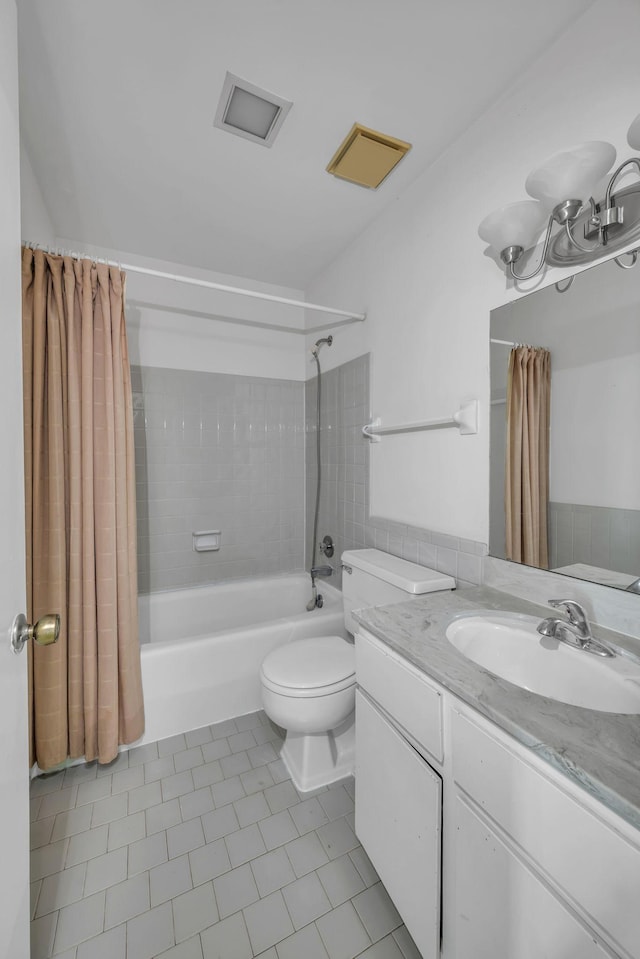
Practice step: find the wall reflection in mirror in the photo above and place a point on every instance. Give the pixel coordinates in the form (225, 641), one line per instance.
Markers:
(590, 511)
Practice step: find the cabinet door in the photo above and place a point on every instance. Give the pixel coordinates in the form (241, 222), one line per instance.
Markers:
(593, 864)
(502, 908)
(398, 821)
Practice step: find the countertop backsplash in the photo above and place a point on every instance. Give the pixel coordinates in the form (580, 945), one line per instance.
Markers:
(612, 608)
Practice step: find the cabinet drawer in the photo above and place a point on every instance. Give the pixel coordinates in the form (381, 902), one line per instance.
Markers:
(592, 864)
(402, 691)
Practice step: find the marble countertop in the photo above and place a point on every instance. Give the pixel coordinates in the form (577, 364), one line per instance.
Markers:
(599, 751)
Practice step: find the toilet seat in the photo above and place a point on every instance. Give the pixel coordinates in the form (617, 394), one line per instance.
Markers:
(318, 666)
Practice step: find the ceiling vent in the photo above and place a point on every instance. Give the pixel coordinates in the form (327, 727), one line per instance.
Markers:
(250, 112)
(366, 157)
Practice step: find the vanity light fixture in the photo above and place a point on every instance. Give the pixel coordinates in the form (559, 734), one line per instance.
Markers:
(563, 189)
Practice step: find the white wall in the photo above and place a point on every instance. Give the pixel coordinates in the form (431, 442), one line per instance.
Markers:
(36, 223)
(420, 272)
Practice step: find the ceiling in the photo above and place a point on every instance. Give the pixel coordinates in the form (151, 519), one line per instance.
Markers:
(117, 105)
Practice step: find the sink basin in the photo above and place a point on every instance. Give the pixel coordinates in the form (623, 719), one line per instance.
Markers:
(508, 645)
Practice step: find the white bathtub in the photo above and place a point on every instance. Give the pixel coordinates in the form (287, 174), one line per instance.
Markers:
(202, 648)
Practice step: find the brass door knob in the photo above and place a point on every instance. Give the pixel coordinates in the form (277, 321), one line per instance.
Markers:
(45, 632)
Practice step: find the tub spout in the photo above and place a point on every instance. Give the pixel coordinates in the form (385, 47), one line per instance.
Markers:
(321, 571)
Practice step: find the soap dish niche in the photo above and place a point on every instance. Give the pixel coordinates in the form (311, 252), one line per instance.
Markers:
(206, 540)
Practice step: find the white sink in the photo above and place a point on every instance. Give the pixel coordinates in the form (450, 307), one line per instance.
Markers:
(508, 645)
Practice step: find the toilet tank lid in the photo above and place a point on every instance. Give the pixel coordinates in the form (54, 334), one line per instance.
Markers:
(399, 572)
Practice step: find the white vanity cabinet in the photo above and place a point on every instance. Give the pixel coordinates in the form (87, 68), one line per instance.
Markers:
(533, 866)
(398, 793)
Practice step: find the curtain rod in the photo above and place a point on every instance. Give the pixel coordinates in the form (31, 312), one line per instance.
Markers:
(206, 284)
(515, 345)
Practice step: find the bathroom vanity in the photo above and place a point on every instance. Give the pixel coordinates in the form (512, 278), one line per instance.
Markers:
(504, 825)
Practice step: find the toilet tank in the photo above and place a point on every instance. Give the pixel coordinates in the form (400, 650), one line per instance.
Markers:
(373, 578)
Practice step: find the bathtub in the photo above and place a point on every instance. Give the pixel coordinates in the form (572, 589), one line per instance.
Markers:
(201, 648)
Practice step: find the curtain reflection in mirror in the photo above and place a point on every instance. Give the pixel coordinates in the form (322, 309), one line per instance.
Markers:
(527, 456)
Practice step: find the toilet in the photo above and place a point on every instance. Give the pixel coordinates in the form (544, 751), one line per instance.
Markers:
(308, 686)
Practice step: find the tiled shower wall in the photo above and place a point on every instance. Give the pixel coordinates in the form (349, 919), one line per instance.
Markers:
(344, 457)
(217, 451)
(344, 503)
(596, 535)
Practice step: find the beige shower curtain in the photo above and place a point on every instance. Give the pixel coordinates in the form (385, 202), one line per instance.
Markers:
(85, 691)
(527, 457)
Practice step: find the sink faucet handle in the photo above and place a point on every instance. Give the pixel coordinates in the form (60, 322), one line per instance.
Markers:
(575, 612)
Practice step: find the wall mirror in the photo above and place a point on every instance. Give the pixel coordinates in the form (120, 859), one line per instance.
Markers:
(592, 513)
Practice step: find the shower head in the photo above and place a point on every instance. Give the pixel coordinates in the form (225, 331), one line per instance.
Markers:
(316, 348)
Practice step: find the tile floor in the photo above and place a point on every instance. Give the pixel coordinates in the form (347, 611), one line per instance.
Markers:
(200, 847)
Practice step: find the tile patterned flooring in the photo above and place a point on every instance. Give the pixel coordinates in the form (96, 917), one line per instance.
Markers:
(200, 847)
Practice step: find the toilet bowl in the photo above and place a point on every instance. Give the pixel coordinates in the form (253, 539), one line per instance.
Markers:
(308, 686)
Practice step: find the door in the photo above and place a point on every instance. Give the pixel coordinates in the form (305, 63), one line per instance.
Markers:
(398, 821)
(14, 786)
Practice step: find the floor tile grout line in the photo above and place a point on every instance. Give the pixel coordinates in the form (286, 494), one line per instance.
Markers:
(257, 822)
(55, 930)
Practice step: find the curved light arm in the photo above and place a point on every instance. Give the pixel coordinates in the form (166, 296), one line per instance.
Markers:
(563, 289)
(631, 161)
(584, 249)
(529, 276)
(627, 266)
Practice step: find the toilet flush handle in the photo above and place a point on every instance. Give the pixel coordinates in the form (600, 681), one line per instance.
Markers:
(346, 569)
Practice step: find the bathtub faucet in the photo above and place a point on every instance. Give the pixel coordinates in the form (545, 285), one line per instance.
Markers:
(321, 571)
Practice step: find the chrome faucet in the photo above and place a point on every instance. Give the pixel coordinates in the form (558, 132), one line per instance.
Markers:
(575, 630)
(321, 571)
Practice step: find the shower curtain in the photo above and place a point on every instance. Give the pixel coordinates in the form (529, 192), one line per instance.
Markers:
(527, 456)
(85, 692)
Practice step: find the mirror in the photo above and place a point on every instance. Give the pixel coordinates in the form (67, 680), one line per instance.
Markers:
(593, 334)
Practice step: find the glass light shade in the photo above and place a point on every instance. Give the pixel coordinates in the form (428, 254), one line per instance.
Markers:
(572, 174)
(517, 224)
(633, 135)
